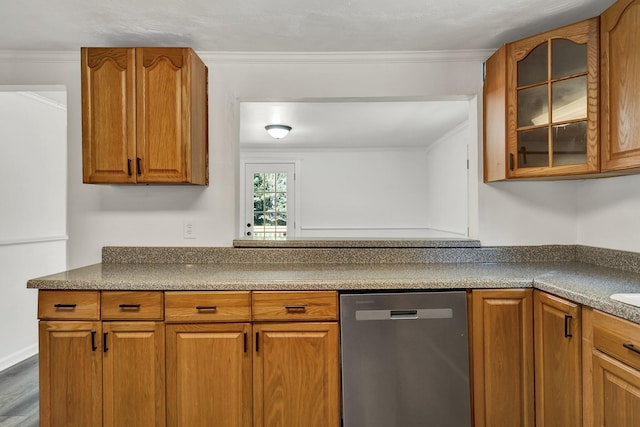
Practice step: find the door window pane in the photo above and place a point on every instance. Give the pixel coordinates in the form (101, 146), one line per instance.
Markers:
(269, 206)
(533, 106)
(567, 58)
(570, 144)
(533, 68)
(533, 148)
(569, 99)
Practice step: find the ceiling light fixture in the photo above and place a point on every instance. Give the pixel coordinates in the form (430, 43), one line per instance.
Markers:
(278, 131)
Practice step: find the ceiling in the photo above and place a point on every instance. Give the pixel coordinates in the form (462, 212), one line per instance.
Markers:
(352, 124)
(283, 25)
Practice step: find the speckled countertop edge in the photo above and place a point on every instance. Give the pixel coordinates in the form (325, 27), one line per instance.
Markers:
(358, 243)
(583, 283)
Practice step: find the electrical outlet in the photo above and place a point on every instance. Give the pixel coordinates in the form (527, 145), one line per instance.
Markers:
(189, 229)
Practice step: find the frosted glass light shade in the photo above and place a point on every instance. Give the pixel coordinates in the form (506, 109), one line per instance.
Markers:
(278, 131)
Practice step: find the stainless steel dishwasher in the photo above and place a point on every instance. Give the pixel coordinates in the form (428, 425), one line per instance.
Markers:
(405, 359)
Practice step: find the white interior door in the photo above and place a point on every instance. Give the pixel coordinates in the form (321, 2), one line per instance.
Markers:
(269, 204)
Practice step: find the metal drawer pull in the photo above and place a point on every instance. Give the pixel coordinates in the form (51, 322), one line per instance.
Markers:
(567, 320)
(65, 306)
(631, 347)
(206, 307)
(130, 306)
(295, 307)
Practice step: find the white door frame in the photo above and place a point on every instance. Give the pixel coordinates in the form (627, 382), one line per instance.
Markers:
(246, 194)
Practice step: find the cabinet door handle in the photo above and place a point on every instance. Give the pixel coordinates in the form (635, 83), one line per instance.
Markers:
(206, 307)
(104, 342)
(511, 162)
(72, 306)
(631, 347)
(130, 306)
(295, 307)
(567, 324)
(129, 167)
(139, 165)
(257, 341)
(94, 347)
(245, 342)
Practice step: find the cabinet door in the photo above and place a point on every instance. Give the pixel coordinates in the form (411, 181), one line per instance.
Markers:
(558, 379)
(616, 390)
(108, 115)
(552, 102)
(296, 375)
(209, 375)
(134, 381)
(70, 372)
(502, 353)
(620, 85)
(162, 76)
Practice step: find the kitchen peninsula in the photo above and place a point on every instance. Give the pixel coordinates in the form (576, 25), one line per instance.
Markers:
(285, 297)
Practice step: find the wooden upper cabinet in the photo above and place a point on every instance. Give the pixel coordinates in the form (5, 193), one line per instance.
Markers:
(144, 116)
(541, 105)
(108, 115)
(620, 85)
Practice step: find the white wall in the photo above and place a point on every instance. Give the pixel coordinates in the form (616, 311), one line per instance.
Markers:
(33, 211)
(446, 182)
(609, 212)
(500, 214)
(358, 192)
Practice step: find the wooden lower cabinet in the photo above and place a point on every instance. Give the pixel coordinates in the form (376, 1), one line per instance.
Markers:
(296, 374)
(611, 370)
(616, 392)
(133, 374)
(209, 381)
(70, 374)
(558, 367)
(502, 353)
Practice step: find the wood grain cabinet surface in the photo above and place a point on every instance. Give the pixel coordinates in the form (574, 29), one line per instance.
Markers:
(558, 361)
(502, 354)
(620, 85)
(144, 116)
(541, 105)
(209, 376)
(95, 373)
(614, 373)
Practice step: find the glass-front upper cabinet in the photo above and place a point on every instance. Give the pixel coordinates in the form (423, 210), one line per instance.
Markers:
(552, 103)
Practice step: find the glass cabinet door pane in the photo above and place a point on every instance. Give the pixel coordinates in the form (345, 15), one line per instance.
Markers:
(567, 58)
(570, 144)
(533, 68)
(533, 148)
(533, 106)
(569, 99)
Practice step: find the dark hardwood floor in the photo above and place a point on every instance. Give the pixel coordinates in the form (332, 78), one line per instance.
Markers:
(19, 394)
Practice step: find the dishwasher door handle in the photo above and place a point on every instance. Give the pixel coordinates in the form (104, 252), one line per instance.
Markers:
(403, 314)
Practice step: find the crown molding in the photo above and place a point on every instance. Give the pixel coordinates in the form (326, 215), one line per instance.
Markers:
(476, 55)
(479, 55)
(40, 56)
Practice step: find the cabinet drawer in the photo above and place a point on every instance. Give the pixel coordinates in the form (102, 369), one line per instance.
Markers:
(69, 305)
(617, 337)
(304, 305)
(137, 305)
(214, 306)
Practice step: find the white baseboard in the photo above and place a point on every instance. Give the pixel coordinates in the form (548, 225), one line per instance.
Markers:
(18, 356)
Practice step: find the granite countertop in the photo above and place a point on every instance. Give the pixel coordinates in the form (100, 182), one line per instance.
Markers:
(583, 283)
